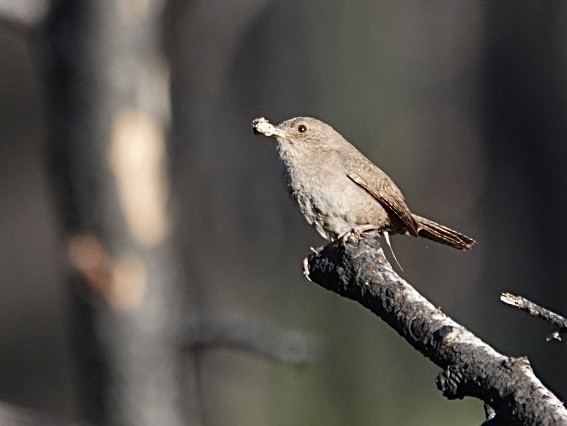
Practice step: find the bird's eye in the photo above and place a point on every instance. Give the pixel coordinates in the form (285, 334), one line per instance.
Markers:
(301, 128)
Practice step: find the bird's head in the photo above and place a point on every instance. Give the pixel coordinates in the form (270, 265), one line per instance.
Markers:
(299, 132)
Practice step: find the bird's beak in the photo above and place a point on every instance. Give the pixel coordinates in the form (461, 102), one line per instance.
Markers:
(262, 126)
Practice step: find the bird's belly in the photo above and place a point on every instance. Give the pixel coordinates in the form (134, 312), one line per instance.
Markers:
(335, 204)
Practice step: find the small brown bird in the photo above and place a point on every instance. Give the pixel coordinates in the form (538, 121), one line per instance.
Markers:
(340, 191)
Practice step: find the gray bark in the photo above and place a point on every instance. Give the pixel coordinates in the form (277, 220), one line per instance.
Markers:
(471, 367)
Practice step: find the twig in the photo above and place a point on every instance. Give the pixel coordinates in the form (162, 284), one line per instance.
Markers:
(557, 321)
(471, 367)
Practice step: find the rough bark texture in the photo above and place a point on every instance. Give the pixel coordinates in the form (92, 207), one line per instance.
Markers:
(362, 273)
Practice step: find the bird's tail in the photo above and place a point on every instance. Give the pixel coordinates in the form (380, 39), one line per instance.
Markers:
(441, 234)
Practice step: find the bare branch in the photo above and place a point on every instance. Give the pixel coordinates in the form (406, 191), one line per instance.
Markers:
(557, 321)
(23, 13)
(20, 416)
(362, 273)
(248, 334)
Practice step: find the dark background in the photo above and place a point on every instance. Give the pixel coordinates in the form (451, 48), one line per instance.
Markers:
(462, 103)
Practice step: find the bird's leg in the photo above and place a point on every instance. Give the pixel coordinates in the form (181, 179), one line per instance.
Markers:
(356, 231)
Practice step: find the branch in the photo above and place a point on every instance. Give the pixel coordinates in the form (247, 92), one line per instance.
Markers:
(361, 272)
(259, 337)
(20, 416)
(557, 321)
(22, 13)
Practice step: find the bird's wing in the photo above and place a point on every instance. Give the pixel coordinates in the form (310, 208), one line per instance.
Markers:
(368, 176)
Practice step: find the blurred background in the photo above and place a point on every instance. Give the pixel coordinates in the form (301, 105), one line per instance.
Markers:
(150, 261)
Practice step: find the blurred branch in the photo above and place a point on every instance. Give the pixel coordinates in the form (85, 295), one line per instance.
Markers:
(251, 335)
(557, 321)
(362, 273)
(23, 13)
(19, 416)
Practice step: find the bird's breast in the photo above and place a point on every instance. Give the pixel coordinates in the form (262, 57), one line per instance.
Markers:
(327, 198)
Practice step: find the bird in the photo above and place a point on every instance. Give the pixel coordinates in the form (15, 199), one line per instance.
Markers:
(340, 192)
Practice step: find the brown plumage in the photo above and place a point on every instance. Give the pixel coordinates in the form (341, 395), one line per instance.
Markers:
(338, 189)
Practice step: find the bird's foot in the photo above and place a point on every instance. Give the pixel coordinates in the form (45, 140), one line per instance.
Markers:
(356, 232)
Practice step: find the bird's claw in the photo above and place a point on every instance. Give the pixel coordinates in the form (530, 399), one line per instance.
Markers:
(356, 232)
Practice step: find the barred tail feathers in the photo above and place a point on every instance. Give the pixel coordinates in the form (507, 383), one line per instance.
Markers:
(441, 234)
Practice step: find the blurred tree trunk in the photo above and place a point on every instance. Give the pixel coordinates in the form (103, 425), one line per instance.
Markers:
(107, 91)
(230, 229)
